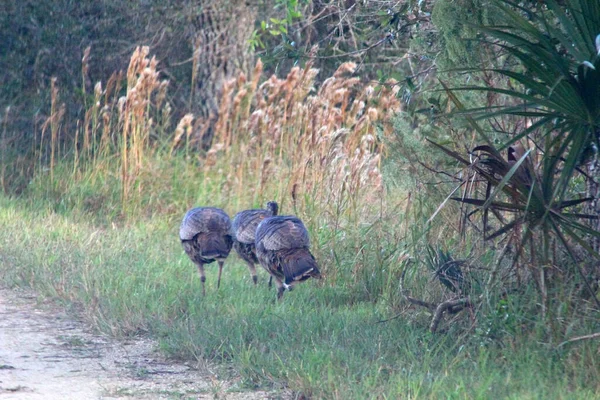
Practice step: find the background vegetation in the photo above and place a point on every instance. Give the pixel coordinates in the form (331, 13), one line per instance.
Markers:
(451, 270)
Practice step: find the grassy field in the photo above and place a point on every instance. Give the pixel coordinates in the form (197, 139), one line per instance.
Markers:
(324, 340)
(95, 227)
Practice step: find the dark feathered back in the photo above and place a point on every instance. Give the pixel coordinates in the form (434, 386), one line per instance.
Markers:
(282, 247)
(280, 233)
(204, 220)
(245, 222)
(206, 234)
(206, 237)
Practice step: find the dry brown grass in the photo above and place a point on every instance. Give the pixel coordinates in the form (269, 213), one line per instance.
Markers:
(54, 121)
(317, 148)
(289, 139)
(120, 127)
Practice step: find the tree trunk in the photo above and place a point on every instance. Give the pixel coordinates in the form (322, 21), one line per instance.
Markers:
(220, 52)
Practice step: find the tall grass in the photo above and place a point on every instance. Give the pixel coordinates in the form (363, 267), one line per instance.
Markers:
(316, 149)
(281, 139)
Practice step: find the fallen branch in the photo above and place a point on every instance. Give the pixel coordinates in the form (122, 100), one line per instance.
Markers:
(447, 305)
(578, 338)
(421, 303)
(430, 306)
(452, 306)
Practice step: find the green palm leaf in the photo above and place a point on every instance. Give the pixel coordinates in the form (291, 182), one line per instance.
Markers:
(554, 76)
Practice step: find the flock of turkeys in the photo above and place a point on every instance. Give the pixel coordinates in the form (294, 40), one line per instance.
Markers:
(279, 243)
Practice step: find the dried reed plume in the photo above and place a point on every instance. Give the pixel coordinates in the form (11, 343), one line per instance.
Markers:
(54, 121)
(135, 122)
(323, 142)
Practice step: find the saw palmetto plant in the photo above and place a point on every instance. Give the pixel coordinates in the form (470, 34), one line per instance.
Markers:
(448, 270)
(535, 191)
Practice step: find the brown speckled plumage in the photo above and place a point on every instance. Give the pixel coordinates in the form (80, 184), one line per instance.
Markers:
(282, 247)
(206, 236)
(244, 229)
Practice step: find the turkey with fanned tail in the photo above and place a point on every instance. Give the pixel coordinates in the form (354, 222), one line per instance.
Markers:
(282, 247)
(206, 236)
(244, 229)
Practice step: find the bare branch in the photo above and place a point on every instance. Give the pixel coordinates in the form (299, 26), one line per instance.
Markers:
(446, 305)
(578, 338)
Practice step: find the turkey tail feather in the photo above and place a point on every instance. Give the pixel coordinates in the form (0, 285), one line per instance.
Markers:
(214, 246)
(299, 265)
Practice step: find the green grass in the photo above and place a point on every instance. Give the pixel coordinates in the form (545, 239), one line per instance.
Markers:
(324, 340)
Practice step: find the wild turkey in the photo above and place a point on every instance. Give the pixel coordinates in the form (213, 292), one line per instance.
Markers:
(282, 247)
(244, 229)
(206, 236)
(524, 173)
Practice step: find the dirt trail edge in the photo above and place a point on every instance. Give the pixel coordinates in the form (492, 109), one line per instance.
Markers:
(46, 354)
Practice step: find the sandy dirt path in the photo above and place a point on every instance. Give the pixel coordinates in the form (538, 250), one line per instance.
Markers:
(45, 354)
